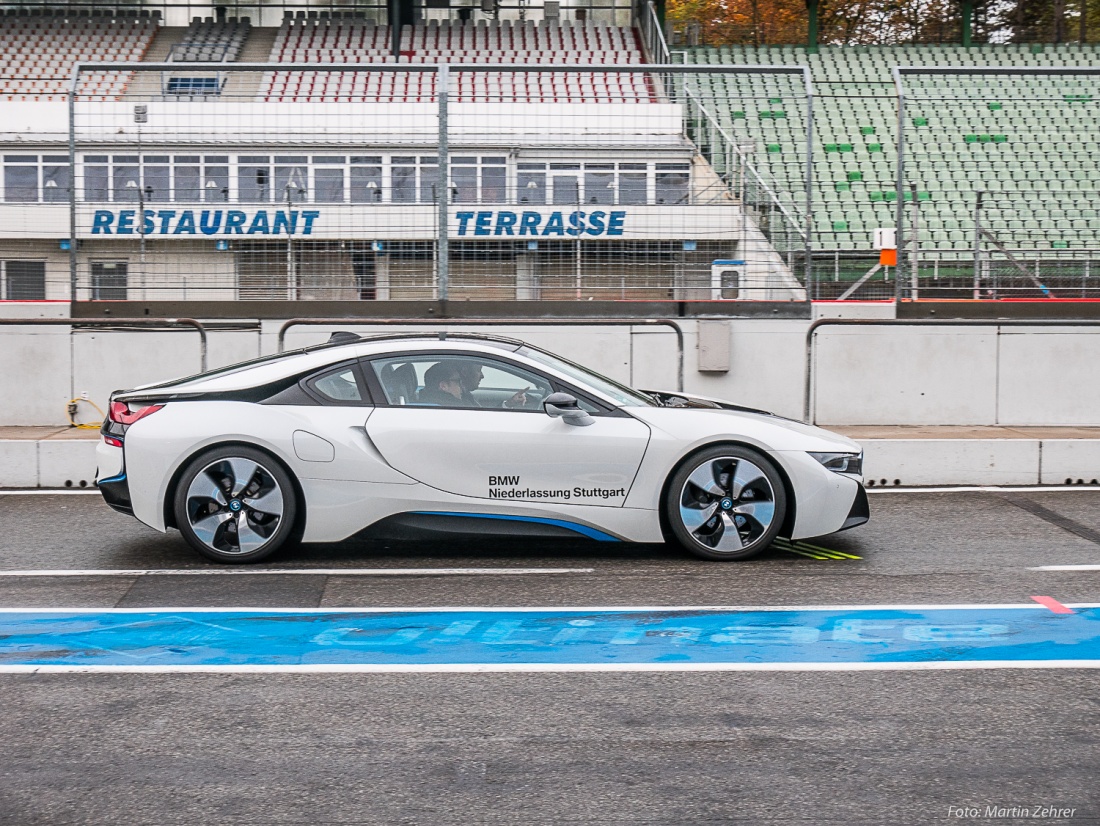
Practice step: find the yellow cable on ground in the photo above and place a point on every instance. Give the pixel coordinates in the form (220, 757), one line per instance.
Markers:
(71, 407)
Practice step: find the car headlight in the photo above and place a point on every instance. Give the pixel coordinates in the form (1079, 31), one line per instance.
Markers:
(841, 462)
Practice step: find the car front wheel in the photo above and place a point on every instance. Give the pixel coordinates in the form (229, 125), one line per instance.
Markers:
(235, 504)
(726, 502)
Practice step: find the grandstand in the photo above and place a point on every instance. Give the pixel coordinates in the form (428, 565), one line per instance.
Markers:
(564, 182)
(343, 40)
(1029, 141)
(37, 53)
(208, 40)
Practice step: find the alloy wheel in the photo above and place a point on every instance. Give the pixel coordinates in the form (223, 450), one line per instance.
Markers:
(234, 505)
(727, 504)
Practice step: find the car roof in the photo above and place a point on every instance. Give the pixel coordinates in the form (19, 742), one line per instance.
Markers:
(340, 347)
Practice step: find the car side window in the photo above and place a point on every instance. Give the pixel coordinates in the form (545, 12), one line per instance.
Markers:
(459, 381)
(338, 386)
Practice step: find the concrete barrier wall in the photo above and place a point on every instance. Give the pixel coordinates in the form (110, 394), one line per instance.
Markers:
(59, 462)
(863, 376)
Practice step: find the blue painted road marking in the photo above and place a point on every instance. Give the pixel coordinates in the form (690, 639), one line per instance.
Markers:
(548, 637)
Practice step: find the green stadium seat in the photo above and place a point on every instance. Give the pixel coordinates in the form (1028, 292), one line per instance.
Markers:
(1034, 145)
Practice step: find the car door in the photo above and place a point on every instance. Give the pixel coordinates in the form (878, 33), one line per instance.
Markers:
(324, 427)
(494, 440)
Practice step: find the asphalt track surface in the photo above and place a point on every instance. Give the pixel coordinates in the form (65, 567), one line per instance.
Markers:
(1002, 745)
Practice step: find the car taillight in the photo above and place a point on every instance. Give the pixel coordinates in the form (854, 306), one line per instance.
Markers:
(120, 412)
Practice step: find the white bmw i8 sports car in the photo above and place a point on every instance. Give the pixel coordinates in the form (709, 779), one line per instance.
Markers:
(467, 434)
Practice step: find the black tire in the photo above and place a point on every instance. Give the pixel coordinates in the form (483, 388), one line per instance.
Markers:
(726, 502)
(263, 511)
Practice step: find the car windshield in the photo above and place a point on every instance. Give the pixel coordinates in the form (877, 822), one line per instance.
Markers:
(622, 394)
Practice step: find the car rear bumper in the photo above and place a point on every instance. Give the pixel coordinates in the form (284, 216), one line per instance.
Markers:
(114, 487)
(116, 493)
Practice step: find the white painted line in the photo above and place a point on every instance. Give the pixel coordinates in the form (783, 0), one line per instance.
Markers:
(48, 492)
(1066, 568)
(989, 489)
(535, 608)
(541, 668)
(87, 572)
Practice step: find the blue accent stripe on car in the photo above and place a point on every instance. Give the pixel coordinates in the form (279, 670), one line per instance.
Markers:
(583, 530)
(120, 478)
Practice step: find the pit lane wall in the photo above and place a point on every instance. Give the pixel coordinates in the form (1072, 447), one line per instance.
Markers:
(864, 378)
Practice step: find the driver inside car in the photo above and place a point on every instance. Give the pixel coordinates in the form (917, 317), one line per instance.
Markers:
(450, 383)
(443, 386)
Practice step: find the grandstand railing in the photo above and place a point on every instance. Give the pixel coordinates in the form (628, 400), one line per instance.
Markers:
(654, 35)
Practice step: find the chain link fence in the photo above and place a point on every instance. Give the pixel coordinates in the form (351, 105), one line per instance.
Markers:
(997, 183)
(553, 181)
(340, 182)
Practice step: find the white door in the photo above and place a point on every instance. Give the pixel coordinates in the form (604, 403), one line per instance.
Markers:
(494, 441)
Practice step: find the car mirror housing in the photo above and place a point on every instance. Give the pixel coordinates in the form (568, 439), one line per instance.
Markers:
(565, 407)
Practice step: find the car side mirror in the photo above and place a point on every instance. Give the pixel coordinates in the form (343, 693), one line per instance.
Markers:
(565, 407)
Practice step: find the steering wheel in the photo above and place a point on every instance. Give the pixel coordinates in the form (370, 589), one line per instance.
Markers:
(534, 400)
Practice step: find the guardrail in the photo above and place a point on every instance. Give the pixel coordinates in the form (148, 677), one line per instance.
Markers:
(808, 398)
(499, 322)
(115, 322)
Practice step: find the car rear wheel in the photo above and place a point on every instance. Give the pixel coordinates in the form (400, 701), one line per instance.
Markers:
(235, 504)
(726, 502)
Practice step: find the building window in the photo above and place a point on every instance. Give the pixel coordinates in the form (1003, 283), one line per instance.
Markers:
(156, 178)
(413, 179)
(291, 179)
(108, 280)
(565, 183)
(531, 183)
(479, 180)
(215, 179)
(494, 180)
(672, 183)
(198, 179)
(464, 180)
(254, 179)
(125, 178)
(328, 179)
(633, 183)
(24, 280)
(21, 179)
(57, 178)
(599, 183)
(97, 179)
(366, 180)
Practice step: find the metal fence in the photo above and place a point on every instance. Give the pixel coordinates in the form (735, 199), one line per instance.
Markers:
(409, 181)
(553, 181)
(997, 182)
